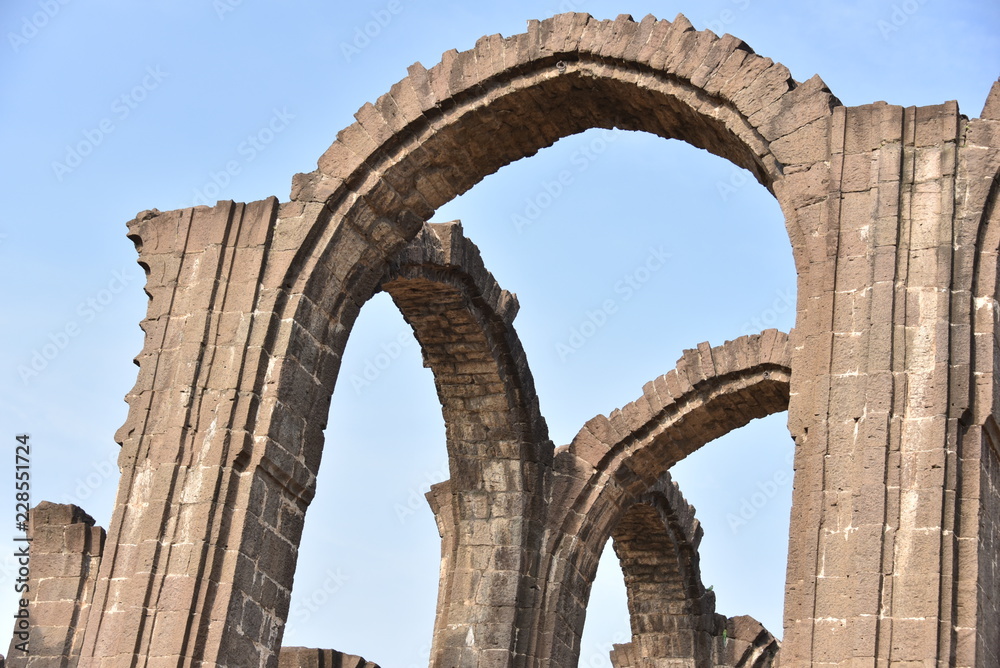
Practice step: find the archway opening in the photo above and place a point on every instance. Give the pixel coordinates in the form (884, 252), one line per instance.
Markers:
(607, 622)
(451, 155)
(741, 485)
(625, 249)
(366, 580)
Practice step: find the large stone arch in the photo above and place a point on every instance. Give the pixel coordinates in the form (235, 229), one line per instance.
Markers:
(440, 131)
(251, 308)
(615, 462)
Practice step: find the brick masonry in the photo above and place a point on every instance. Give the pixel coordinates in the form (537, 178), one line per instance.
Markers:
(888, 376)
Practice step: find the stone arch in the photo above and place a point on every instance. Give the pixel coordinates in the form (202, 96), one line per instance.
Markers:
(672, 613)
(496, 437)
(272, 291)
(425, 142)
(440, 131)
(615, 461)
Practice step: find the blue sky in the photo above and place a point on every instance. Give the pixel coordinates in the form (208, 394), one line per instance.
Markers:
(108, 108)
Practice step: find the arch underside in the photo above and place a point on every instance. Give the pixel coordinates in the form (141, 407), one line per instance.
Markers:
(672, 614)
(497, 441)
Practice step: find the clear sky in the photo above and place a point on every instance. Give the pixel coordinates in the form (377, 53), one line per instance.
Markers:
(111, 107)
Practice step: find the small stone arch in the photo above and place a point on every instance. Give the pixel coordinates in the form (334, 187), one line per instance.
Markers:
(615, 461)
(672, 613)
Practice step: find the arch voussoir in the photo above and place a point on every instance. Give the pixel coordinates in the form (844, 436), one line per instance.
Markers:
(722, 68)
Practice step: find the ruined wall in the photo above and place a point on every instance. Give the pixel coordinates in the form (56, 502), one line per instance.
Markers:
(186, 445)
(65, 553)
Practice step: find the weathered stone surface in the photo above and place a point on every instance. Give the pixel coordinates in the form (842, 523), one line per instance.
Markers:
(889, 379)
(63, 558)
(304, 657)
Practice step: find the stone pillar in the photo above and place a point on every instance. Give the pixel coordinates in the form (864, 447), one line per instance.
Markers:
(204, 536)
(65, 553)
(977, 192)
(873, 523)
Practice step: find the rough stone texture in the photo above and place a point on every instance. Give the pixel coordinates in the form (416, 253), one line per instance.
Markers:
(303, 657)
(489, 513)
(65, 553)
(888, 377)
(612, 482)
